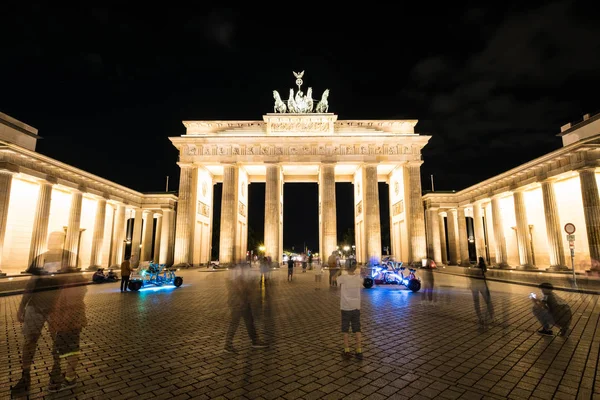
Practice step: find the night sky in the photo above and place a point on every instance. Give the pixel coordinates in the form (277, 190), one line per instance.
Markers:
(106, 86)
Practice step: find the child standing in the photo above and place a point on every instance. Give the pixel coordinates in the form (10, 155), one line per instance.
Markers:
(351, 285)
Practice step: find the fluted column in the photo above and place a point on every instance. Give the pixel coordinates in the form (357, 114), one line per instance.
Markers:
(442, 226)
(525, 254)
(39, 236)
(166, 238)
(157, 238)
(118, 236)
(479, 231)
(136, 237)
(72, 238)
(463, 238)
(5, 186)
(416, 214)
(553, 232)
(453, 251)
(98, 236)
(272, 212)
(499, 239)
(435, 234)
(182, 226)
(147, 235)
(328, 210)
(429, 231)
(371, 209)
(591, 212)
(229, 218)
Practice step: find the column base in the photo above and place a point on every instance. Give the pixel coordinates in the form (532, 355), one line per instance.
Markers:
(503, 266)
(555, 268)
(592, 272)
(465, 264)
(527, 268)
(182, 265)
(2, 273)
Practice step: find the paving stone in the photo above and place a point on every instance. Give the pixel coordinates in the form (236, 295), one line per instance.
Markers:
(169, 344)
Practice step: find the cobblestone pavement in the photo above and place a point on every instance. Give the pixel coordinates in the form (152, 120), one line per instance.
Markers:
(169, 343)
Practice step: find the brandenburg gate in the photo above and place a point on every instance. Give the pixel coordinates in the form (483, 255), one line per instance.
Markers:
(299, 142)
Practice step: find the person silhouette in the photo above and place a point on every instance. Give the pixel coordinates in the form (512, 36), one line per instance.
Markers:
(241, 289)
(479, 286)
(38, 302)
(551, 310)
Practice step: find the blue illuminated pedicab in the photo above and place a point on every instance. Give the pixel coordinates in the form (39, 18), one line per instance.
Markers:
(154, 274)
(390, 272)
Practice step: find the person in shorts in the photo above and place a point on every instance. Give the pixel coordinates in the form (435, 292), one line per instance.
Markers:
(351, 286)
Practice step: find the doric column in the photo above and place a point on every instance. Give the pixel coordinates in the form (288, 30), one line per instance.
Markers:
(553, 232)
(591, 212)
(229, 220)
(429, 231)
(5, 186)
(147, 235)
(499, 239)
(453, 251)
(39, 235)
(371, 210)
(463, 238)
(72, 238)
(136, 237)
(98, 236)
(328, 210)
(415, 214)
(182, 227)
(525, 254)
(434, 227)
(479, 231)
(118, 236)
(442, 226)
(272, 212)
(166, 239)
(157, 238)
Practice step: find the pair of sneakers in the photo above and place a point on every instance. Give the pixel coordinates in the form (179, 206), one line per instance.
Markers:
(255, 345)
(550, 332)
(56, 385)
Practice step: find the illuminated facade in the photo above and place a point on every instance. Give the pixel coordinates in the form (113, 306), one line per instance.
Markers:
(517, 219)
(46, 203)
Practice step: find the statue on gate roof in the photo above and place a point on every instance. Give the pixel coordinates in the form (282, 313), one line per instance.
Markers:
(300, 103)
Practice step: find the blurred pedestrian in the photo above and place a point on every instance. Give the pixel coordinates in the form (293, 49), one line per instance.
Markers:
(125, 274)
(351, 285)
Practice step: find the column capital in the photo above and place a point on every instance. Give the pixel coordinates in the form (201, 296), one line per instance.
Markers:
(158, 213)
(443, 214)
(146, 212)
(414, 163)
(185, 165)
(587, 168)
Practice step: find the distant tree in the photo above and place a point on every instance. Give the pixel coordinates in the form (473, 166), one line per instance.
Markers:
(348, 237)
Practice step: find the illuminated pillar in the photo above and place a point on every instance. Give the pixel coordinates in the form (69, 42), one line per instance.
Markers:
(157, 238)
(434, 227)
(525, 254)
(147, 235)
(328, 210)
(272, 213)
(479, 231)
(167, 238)
(371, 210)
(415, 212)
(72, 239)
(98, 236)
(442, 226)
(5, 186)
(591, 212)
(229, 219)
(118, 236)
(499, 239)
(453, 253)
(39, 236)
(463, 238)
(182, 227)
(429, 231)
(136, 238)
(553, 232)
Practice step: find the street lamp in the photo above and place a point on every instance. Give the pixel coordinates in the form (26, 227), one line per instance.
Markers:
(346, 248)
(262, 248)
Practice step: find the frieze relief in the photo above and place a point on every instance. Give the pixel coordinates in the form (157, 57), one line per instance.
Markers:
(203, 209)
(297, 150)
(300, 126)
(398, 208)
(242, 209)
(359, 208)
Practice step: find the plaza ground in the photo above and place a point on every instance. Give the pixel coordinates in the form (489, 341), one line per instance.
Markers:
(168, 343)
